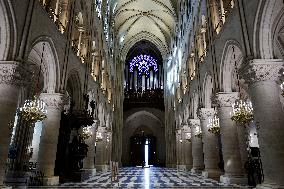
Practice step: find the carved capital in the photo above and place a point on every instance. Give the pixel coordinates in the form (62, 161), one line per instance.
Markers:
(13, 73)
(193, 123)
(53, 100)
(261, 70)
(227, 99)
(205, 113)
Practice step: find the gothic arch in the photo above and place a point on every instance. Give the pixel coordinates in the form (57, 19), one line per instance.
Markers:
(207, 90)
(267, 13)
(50, 64)
(139, 113)
(7, 31)
(74, 87)
(278, 36)
(232, 54)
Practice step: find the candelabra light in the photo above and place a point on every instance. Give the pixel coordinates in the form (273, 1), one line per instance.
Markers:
(198, 132)
(33, 111)
(188, 137)
(214, 125)
(242, 112)
(99, 137)
(87, 132)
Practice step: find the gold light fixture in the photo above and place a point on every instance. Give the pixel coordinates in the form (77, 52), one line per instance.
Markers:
(242, 112)
(214, 125)
(99, 137)
(87, 132)
(33, 111)
(198, 132)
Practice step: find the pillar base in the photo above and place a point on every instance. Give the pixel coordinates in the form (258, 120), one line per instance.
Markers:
(87, 173)
(212, 173)
(181, 167)
(268, 186)
(103, 168)
(171, 165)
(51, 181)
(196, 170)
(230, 179)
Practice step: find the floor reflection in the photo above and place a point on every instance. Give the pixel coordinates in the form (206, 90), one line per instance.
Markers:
(148, 178)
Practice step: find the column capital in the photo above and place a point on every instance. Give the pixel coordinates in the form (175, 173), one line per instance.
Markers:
(262, 70)
(205, 113)
(13, 73)
(53, 100)
(194, 122)
(227, 99)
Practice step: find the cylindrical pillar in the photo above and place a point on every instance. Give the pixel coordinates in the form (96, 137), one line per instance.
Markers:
(197, 152)
(49, 137)
(187, 146)
(100, 160)
(210, 145)
(262, 76)
(229, 139)
(9, 92)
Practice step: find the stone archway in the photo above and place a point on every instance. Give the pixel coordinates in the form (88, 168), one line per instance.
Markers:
(43, 54)
(7, 32)
(143, 119)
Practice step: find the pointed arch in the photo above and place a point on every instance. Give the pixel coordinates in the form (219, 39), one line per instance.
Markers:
(232, 57)
(50, 64)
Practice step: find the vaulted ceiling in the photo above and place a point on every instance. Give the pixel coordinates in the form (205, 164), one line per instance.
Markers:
(152, 20)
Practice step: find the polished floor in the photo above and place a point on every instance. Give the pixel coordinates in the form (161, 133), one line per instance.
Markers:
(148, 178)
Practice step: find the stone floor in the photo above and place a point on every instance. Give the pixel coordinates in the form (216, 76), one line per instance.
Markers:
(147, 178)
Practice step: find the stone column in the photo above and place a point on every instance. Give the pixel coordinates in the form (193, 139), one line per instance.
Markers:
(187, 147)
(229, 139)
(179, 150)
(89, 161)
(197, 152)
(242, 132)
(49, 137)
(100, 163)
(210, 145)
(9, 92)
(262, 76)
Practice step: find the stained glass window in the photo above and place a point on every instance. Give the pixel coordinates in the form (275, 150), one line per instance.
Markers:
(143, 63)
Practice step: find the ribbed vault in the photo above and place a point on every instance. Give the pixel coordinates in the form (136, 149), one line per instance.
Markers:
(137, 20)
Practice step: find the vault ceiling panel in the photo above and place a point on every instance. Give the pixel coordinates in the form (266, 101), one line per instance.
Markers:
(155, 17)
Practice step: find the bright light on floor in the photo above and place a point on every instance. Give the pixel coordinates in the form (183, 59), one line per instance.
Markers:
(146, 158)
(147, 178)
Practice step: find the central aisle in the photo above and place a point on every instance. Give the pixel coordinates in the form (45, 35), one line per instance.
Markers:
(154, 177)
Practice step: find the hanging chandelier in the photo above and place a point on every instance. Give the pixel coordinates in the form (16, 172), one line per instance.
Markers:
(99, 137)
(87, 132)
(33, 111)
(198, 132)
(242, 112)
(214, 125)
(242, 109)
(188, 137)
